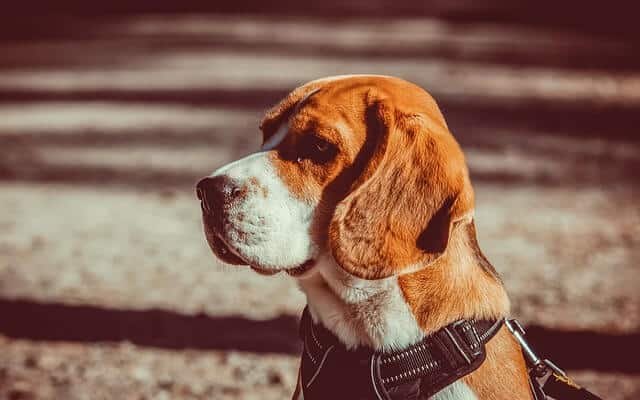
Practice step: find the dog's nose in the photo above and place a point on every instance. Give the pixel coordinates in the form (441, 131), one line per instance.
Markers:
(215, 192)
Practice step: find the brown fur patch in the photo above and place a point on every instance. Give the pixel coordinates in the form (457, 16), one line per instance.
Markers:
(503, 374)
(454, 287)
(483, 263)
(463, 284)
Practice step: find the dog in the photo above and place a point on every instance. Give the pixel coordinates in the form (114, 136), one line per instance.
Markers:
(362, 195)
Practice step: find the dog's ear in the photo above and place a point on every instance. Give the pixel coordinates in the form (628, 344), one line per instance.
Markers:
(400, 213)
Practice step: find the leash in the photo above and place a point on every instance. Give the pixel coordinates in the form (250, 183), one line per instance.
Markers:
(547, 380)
(330, 371)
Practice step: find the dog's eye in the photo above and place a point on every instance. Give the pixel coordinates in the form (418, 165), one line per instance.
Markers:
(316, 149)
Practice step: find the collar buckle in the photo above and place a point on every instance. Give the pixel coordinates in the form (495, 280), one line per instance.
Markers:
(461, 338)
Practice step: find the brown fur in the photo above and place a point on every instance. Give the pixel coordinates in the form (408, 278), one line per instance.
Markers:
(454, 287)
(502, 376)
(402, 214)
(397, 200)
(462, 284)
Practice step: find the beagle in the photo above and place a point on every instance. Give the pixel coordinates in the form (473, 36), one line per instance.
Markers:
(361, 193)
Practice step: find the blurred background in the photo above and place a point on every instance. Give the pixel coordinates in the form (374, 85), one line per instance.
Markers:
(111, 111)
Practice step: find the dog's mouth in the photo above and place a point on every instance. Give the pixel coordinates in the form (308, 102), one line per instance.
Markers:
(220, 247)
(223, 250)
(295, 272)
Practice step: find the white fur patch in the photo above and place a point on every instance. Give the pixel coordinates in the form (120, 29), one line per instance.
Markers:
(276, 138)
(458, 390)
(283, 129)
(268, 227)
(360, 312)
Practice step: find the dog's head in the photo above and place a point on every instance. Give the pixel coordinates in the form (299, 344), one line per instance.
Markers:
(363, 167)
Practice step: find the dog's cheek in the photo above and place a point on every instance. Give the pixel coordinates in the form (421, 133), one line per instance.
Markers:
(270, 225)
(278, 229)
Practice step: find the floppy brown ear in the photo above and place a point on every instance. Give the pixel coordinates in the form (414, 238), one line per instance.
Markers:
(414, 189)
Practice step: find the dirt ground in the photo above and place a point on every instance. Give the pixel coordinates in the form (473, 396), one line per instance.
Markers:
(107, 287)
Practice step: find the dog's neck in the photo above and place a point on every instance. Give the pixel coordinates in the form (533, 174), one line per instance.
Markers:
(394, 313)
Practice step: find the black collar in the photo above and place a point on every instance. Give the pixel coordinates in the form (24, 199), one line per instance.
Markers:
(330, 371)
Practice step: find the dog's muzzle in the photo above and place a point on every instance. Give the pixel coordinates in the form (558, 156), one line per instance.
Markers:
(217, 195)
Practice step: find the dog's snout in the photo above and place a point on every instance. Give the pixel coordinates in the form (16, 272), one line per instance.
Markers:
(215, 192)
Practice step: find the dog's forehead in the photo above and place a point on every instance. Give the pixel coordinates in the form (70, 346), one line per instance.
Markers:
(335, 122)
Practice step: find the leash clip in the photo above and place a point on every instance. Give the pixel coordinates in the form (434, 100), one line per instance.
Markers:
(513, 325)
(540, 366)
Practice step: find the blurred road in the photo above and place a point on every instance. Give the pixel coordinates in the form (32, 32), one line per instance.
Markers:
(106, 124)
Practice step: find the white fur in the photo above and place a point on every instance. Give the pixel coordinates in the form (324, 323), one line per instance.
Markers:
(458, 390)
(269, 227)
(359, 312)
(276, 138)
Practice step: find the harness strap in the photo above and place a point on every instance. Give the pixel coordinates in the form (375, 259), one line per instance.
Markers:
(330, 370)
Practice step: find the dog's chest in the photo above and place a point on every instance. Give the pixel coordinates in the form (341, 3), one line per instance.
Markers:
(361, 312)
(368, 313)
